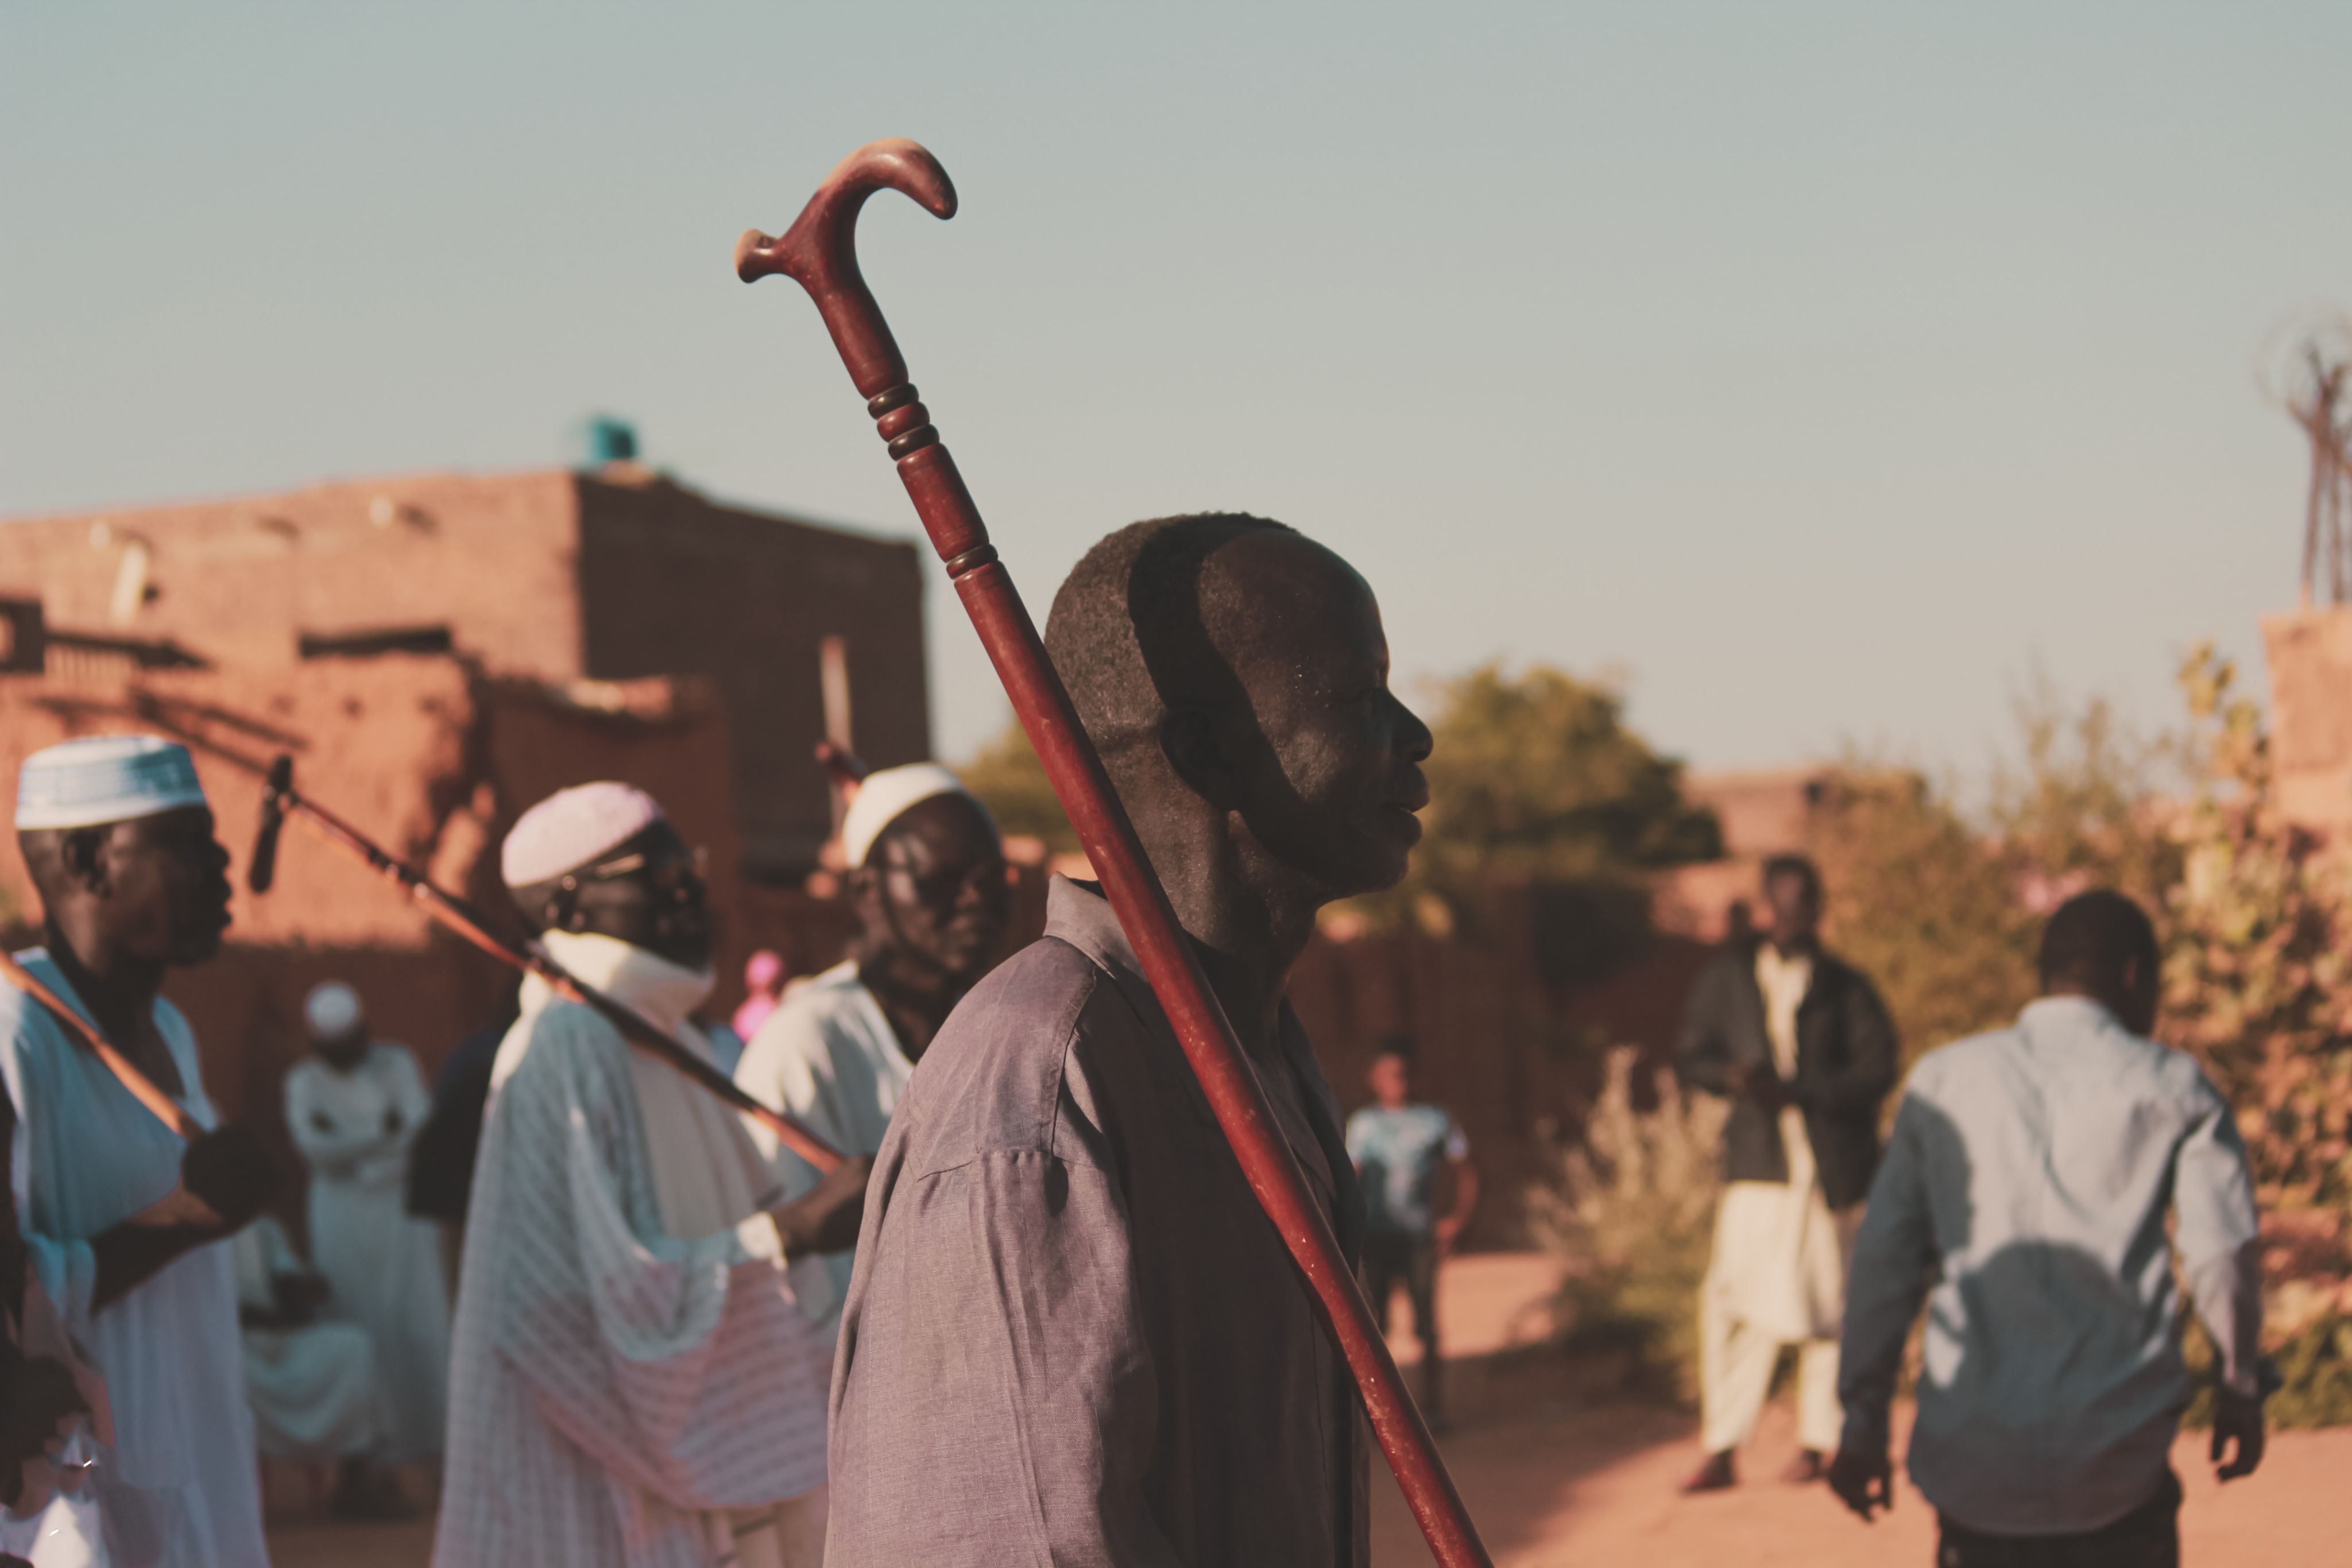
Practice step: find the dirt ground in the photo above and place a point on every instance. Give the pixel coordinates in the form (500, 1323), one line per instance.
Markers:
(1554, 1477)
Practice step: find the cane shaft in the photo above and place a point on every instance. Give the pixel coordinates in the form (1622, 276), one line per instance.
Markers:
(144, 1089)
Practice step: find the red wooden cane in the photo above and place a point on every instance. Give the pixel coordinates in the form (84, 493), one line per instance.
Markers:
(819, 252)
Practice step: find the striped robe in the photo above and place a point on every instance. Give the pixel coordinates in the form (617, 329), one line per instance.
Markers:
(624, 1390)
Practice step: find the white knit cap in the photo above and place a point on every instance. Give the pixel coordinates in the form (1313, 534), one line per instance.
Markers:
(572, 827)
(105, 779)
(884, 796)
(331, 1009)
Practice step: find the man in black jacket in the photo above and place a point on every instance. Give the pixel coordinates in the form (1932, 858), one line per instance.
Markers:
(1801, 1045)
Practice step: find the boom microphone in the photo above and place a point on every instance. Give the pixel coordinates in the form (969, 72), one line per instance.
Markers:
(262, 870)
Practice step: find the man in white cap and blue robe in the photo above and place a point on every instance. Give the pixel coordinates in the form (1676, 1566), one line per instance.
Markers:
(634, 1384)
(354, 1107)
(928, 879)
(121, 1218)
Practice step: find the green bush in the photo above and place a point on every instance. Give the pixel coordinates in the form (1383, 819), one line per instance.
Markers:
(1631, 1211)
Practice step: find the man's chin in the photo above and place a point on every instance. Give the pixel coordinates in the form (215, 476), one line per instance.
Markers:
(199, 950)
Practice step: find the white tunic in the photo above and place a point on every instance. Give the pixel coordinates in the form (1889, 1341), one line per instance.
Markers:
(383, 1263)
(177, 1488)
(631, 1374)
(1779, 1255)
(313, 1388)
(827, 1054)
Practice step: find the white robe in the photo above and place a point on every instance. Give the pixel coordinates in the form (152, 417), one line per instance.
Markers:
(1776, 1275)
(631, 1376)
(177, 1487)
(827, 1054)
(383, 1262)
(313, 1388)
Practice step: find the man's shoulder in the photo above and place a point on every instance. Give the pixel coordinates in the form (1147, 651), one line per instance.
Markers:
(1831, 969)
(811, 1016)
(1958, 1062)
(563, 1041)
(1731, 961)
(994, 1077)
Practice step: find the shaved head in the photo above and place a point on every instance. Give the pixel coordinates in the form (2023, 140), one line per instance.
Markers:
(1132, 631)
(1230, 659)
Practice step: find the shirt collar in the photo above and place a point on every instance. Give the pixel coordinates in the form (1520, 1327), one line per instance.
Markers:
(2065, 1015)
(1078, 913)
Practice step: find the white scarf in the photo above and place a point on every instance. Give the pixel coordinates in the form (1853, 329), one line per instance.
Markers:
(707, 1174)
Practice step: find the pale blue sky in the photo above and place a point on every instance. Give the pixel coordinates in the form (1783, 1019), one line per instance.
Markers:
(1820, 366)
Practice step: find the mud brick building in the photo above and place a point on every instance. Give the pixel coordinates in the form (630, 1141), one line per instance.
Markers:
(556, 577)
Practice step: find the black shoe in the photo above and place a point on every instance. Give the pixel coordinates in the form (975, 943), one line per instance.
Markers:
(1715, 1475)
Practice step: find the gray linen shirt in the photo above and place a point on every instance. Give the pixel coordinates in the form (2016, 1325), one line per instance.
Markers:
(2023, 1195)
(1072, 1337)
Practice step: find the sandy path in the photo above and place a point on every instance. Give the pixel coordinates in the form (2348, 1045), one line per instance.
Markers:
(1555, 1480)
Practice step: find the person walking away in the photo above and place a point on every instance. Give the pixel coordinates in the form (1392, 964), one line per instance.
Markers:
(1405, 1154)
(355, 1108)
(928, 880)
(2025, 1198)
(1800, 1044)
(121, 1219)
(634, 1385)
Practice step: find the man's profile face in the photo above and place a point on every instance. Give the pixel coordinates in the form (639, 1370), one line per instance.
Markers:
(1391, 1081)
(1793, 905)
(648, 892)
(1333, 790)
(162, 887)
(934, 888)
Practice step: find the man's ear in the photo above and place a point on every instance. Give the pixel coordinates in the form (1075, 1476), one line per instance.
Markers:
(82, 856)
(1194, 741)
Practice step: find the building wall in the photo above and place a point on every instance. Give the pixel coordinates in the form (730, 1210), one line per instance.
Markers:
(237, 583)
(671, 584)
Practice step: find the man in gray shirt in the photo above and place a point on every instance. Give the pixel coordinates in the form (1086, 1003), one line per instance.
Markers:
(2023, 1195)
(1072, 1337)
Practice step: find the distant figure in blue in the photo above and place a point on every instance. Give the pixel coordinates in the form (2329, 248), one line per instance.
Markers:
(1400, 1149)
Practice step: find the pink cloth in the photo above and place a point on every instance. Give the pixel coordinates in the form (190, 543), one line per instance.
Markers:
(752, 1014)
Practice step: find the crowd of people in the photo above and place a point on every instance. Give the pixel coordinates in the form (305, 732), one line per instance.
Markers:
(1035, 1314)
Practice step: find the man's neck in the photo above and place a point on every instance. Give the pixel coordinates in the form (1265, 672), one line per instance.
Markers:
(120, 992)
(914, 997)
(1249, 936)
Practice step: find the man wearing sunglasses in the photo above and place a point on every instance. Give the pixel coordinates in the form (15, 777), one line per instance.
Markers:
(632, 1381)
(929, 881)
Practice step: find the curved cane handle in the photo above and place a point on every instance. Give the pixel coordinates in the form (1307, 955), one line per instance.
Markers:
(819, 252)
